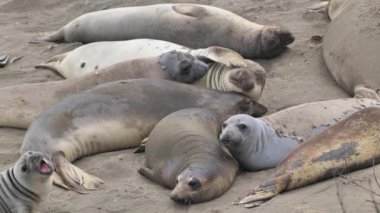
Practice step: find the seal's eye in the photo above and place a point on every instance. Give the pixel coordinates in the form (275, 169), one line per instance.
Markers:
(24, 168)
(224, 125)
(242, 126)
(194, 183)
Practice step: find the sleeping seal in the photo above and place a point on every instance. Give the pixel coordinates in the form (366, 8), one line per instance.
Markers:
(189, 160)
(114, 116)
(22, 103)
(353, 60)
(351, 144)
(261, 143)
(191, 25)
(25, 186)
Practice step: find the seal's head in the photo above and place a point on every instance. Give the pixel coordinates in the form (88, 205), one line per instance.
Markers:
(239, 130)
(34, 172)
(197, 184)
(274, 40)
(183, 67)
(249, 80)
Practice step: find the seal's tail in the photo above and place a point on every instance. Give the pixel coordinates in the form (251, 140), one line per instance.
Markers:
(266, 191)
(71, 177)
(53, 63)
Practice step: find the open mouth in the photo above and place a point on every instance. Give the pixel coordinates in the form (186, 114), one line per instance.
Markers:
(45, 169)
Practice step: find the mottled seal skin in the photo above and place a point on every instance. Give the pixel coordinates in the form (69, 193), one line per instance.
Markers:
(261, 143)
(26, 186)
(114, 116)
(191, 25)
(346, 146)
(190, 159)
(353, 60)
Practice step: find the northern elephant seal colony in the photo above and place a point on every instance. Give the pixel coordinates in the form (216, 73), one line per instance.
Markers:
(261, 143)
(191, 25)
(114, 116)
(353, 60)
(351, 144)
(22, 103)
(183, 153)
(26, 185)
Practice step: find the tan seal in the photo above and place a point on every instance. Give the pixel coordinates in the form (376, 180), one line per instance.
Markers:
(346, 146)
(191, 25)
(183, 153)
(114, 116)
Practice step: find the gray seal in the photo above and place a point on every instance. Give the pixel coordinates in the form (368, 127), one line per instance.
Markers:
(190, 159)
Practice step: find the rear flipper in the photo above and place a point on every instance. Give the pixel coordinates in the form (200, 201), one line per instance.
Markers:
(71, 177)
(363, 92)
(53, 63)
(266, 191)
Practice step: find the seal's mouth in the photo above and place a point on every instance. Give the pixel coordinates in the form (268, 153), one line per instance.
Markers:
(45, 168)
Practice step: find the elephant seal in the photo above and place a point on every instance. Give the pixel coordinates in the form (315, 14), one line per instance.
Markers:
(22, 103)
(191, 25)
(114, 116)
(354, 65)
(261, 143)
(190, 159)
(351, 144)
(26, 185)
(96, 56)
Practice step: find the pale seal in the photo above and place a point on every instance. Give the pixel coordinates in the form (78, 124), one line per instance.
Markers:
(348, 145)
(191, 25)
(190, 159)
(26, 186)
(261, 143)
(353, 60)
(22, 103)
(114, 116)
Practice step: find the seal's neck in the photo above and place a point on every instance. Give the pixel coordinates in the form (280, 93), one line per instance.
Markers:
(252, 44)
(217, 77)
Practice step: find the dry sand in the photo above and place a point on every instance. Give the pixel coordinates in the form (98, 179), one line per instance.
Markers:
(297, 76)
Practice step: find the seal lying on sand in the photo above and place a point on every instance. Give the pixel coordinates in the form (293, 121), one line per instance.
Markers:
(96, 56)
(261, 143)
(195, 26)
(114, 116)
(354, 60)
(22, 103)
(25, 186)
(348, 145)
(183, 153)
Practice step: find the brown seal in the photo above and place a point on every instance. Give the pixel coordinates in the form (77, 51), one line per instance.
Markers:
(183, 153)
(191, 25)
(348, 145)
(114, 116)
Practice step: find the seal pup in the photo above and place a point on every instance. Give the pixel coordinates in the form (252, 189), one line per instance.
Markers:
(26, 185)
(191, 25)
(190, 159)
(22, 103)
(351, 144)
(96, 56)
(114, 116)
(354, 65)
(261, 143)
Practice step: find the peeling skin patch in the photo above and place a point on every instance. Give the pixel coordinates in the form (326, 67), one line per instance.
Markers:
(345, 150)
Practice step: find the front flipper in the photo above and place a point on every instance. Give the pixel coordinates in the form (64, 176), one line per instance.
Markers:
(148, 173)
(71, 177)
(195, 11)
(266, 191)
(363, 92)
(221, 55)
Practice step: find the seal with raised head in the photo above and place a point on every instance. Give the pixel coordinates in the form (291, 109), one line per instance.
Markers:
(114, 116)
(26, 186)
(22, 103)
(190, 159)
(191, 25)
(351, 144)
(354, 65)
(261, 143)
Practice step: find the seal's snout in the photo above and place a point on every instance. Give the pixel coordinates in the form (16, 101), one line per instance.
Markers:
(224, 138)
(242, 79)
(286, 37)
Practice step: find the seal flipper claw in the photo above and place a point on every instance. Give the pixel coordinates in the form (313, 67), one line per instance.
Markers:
(74, 178)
